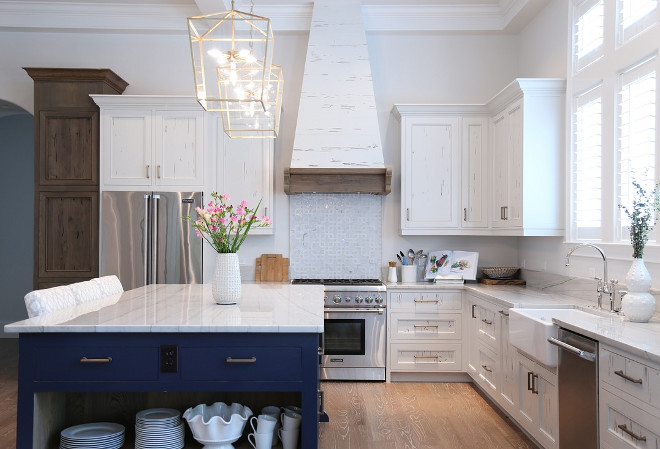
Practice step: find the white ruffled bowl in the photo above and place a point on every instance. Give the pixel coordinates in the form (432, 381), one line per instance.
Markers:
(217, 426)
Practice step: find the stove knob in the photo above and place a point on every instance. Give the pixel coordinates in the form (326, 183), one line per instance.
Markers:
(347, 299)
(358, 299)
(336, 299)
(379, 299)
(369, 300)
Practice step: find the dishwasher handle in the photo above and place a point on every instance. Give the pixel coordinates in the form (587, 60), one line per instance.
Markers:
(590, 356)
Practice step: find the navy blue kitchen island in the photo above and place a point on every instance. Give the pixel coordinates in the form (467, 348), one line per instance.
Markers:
(169, 341)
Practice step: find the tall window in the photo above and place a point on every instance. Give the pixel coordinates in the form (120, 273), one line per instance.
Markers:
(613, 84)
(587, 166)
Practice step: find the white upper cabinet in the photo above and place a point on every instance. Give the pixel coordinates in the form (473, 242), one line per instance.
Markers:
(151, 142)
(527, 148)
(474, 173)
(437, 195)
(244, 171)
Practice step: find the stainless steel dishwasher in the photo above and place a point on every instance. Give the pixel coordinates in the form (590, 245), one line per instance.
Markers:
(577, 374)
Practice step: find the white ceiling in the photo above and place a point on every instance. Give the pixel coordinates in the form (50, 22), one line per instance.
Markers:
(168, 16)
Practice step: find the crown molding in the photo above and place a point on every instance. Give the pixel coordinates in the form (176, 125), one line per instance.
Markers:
(168, 16)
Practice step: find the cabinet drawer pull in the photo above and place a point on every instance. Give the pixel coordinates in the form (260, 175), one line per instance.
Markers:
(535, 384)
(485, 367)
(148, 171)
(158, 171)
(631, 433)
(427, 300)
(417, 326)
(628, 378)
(425, 356)
(502, 213)
(104, 360)
(504, 312)
(465, 214)
(233, 360)
(529, 380)
(473, 307)
(488, 322)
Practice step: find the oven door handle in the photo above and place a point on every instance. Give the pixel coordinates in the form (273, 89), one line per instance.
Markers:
(379, 310)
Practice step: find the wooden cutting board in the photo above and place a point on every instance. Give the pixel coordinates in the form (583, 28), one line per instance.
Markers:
(272, 268)
(502, 281)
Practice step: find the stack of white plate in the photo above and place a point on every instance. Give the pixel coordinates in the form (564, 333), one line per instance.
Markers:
(160, 428)
(97, 435)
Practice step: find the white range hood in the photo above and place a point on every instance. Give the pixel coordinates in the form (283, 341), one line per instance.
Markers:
(337, 146)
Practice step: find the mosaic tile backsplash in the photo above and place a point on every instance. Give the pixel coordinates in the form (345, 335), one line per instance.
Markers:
(335, 236)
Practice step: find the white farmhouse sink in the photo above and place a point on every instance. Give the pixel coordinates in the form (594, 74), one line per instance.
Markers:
(529, 330)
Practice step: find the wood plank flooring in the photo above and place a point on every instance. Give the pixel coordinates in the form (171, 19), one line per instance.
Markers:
(364, 415)
(405, 415)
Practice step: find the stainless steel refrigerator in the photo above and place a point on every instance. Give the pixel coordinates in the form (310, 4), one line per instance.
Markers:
(144, 239)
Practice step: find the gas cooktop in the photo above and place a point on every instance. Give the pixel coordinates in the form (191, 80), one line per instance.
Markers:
(331, 282)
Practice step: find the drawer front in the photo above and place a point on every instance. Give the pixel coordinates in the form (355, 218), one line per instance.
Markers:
(487, 369)
(628, 375)
(488, 327)
(625, 426)
(426, 302)
(241, 363)
(96, 363)
(445, 326)
(434, 357)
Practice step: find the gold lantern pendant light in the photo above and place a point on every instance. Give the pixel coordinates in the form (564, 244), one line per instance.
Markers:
(232, 56)
(253, 122)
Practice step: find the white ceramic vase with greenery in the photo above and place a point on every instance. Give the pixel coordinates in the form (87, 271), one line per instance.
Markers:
(225, 227)
(638, 304)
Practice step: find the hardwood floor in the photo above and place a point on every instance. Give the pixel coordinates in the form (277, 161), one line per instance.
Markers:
(405, 415)
(364, 415)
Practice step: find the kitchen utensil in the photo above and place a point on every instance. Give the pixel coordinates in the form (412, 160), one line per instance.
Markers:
(419, 254)
(399, 257)
(411, 256)
(403, 258)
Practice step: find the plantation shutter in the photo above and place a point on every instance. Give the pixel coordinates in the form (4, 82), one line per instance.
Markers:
(588, 33)
(634, 17)
(637, 134)
(587, 165)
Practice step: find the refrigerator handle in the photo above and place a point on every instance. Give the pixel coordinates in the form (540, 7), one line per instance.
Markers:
(145, 241)
(154, 239)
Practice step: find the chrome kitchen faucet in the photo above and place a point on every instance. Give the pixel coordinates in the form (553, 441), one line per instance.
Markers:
(604, 286)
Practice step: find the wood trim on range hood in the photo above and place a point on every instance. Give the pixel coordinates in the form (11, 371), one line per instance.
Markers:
(377, 181)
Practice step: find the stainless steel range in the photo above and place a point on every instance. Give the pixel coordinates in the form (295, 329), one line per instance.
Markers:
(354, 328)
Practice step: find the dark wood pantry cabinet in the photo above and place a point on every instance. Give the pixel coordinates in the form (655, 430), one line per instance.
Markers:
(66, 172)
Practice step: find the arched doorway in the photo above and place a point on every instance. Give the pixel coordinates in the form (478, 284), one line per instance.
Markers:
(17, 223)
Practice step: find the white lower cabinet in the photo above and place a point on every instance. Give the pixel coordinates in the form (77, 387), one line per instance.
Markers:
(629, 401)
(424, 331)
(538, 410)
(508, 366)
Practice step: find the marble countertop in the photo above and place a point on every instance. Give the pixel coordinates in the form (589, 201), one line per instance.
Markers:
(263, 307)
(615, 330)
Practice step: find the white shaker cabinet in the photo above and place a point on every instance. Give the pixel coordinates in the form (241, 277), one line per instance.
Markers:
(527, 148)
(443, 168)
(244, 171)
(538, 406)
(151, 142)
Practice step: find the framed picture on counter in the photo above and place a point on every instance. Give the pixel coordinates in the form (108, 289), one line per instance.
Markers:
(452, 262)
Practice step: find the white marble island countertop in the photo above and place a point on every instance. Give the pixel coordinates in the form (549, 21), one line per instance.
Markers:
(263, 307)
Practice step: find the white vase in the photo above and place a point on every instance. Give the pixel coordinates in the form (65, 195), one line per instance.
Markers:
(638, 304)
(226, 286)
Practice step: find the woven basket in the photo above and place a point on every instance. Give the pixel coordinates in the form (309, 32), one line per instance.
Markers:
(499, 272)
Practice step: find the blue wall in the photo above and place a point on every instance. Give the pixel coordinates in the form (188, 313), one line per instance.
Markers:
(17, 219)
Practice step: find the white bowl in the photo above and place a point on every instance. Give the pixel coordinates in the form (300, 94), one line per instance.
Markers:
(217, 425)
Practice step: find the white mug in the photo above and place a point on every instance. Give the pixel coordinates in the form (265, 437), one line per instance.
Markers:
(261, 440)
(291, 420)
(272, 411)
(289, 438)
(293, 408)
(264, 423)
